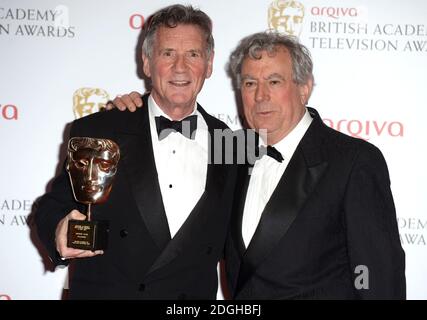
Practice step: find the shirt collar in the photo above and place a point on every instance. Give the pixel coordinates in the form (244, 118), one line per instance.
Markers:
(156, 111)
(202, 131)
(289, 143)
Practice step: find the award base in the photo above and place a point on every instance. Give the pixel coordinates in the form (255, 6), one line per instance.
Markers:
(88, 235)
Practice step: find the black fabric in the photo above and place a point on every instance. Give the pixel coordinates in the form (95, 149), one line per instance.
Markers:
(331, 212)
(142, 261)
(185, 126)
(271, 152)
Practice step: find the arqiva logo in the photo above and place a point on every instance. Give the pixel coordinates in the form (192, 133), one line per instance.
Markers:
(334, 12)
(9, 112)
(366, 129)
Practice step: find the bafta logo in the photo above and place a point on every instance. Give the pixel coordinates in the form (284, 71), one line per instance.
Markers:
(89, 100)
(286, 16)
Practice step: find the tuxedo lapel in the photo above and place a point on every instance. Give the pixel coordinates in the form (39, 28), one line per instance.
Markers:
(238, 208)
(299, 179)
(138, 162)
(184, 238)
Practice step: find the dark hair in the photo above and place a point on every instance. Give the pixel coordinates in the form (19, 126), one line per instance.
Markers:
(253, 45)
(172, 16)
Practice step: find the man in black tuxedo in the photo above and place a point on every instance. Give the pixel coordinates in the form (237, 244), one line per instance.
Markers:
(169, 207)
(316, 220)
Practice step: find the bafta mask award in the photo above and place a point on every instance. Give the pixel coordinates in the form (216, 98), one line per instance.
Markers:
(91, 166)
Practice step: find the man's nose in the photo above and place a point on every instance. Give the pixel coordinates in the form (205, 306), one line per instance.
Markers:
(261, 93)
(179, 64)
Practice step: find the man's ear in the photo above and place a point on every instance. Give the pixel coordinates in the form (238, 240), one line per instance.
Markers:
(146, 65)
(305, 91)
(210, 65)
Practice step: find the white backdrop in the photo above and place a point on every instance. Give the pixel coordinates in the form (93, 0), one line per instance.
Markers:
(370, 64)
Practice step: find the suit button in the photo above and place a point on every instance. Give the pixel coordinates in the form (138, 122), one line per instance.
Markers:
(123, 233)
(141, 287)
(209, 250)
(182, 296)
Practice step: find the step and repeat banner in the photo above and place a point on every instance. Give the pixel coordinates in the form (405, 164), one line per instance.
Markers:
(64, 60)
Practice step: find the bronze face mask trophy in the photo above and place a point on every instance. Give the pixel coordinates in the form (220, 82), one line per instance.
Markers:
(91, 166)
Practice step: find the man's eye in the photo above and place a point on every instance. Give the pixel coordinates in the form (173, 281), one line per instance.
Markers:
(274, 82)
(167, 54)
(194, 54)
(248, 84)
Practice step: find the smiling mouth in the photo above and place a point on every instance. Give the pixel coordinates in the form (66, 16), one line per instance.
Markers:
(179, 83)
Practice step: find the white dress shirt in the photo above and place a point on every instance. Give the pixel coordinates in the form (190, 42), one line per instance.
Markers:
(181, 167)
(265, 176)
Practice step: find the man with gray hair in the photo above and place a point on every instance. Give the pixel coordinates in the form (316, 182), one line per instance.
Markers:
(320, 222)
(169, 207)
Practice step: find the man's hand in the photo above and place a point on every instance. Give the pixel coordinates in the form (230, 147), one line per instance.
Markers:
(129, 101)
(61, 239)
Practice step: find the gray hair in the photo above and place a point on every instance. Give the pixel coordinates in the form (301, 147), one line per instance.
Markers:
(173, 16)
(253, 45)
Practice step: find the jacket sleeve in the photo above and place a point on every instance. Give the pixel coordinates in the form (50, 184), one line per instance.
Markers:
(377, 259)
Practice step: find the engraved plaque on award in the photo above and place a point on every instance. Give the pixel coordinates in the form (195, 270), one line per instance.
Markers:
(91, 166)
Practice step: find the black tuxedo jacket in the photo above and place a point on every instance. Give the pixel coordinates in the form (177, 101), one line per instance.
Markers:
(329, 230)
(142, 261)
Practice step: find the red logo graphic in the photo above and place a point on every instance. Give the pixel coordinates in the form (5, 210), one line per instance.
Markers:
(4, 297)
(136, 21)
(9, 112)
(366, 129)
(334, 12)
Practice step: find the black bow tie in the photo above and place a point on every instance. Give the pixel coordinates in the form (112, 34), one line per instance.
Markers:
(271, 152)
(186, 126)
